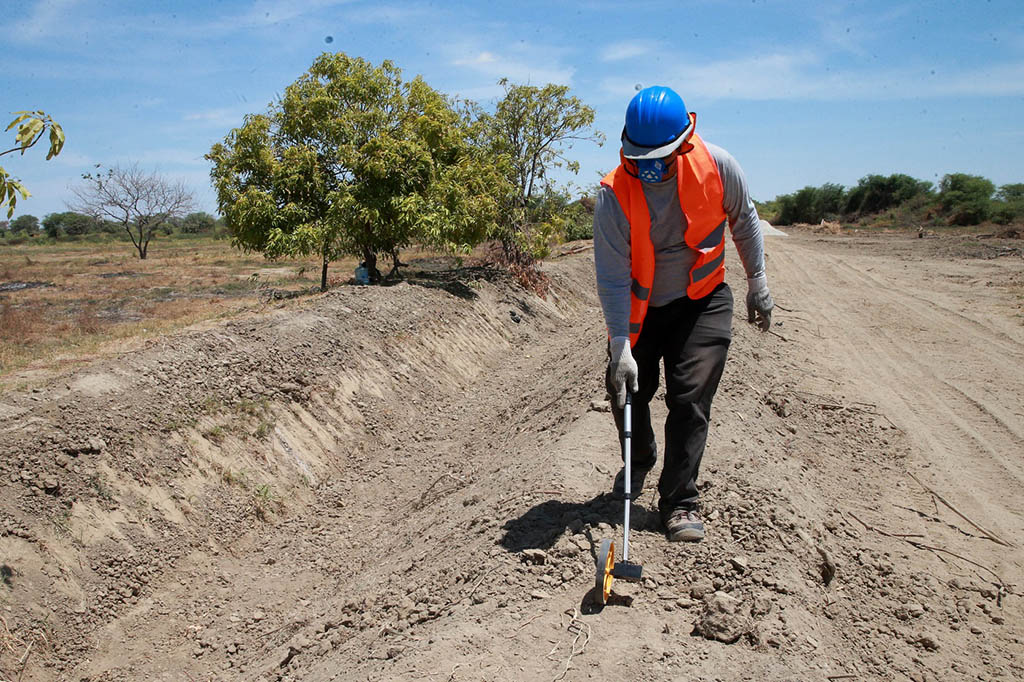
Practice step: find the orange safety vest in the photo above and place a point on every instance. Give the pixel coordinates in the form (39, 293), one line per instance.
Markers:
(700, 196)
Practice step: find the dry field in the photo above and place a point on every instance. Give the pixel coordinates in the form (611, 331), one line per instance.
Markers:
(63, 304)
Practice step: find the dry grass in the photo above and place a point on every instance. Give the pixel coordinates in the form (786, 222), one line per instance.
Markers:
(100, 297)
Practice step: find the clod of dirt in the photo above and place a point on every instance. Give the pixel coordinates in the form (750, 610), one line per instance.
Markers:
(600, 406)
(908, 611)
(724, 618)
(828, 566)
(926, 641)
(537, 557)
(90, 446)
(701, 588)
(780, 406)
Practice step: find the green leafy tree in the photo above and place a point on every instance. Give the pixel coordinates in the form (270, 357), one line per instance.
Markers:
(32, 125)
(1008, 206)
(27, 223)
(809, 204)
(140, 202)
(578, 217)
(52, 225)
(769, 210)
(966, 199)
(829, 201)
(1011, 192)
(533, 128)
(77, 224)
(872, 194)
(198, 223)
(876, 193)
(354, 160)
(67, 223)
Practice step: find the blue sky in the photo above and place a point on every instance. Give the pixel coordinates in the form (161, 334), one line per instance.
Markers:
(800, 92)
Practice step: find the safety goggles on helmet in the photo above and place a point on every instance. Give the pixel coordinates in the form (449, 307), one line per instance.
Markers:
(637, 152)
(651, 166)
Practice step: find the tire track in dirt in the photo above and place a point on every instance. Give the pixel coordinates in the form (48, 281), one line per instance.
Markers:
(951, 396)
(898, 286)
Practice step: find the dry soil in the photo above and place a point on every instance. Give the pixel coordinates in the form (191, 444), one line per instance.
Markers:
(409, 483)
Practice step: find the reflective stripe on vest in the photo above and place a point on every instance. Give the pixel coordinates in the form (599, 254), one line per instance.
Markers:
(699, 187)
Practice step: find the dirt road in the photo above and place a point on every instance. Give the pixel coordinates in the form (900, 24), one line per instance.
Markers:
(408, 483)
(942, 348)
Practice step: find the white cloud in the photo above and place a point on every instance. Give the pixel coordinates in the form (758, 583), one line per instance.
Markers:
(73, 159)
(219, 117)
(617, 52)
(803, 76)
(388, 14)
(271, 12)
(990, 80)
(481, 58)
(517, 69)
(479, 93)
(174, 157)
(843, 28)
(47, 18)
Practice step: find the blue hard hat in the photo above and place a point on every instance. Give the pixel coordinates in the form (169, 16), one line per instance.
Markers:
(656, 123)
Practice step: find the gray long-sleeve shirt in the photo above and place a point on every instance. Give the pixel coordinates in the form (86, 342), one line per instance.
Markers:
(672, 257)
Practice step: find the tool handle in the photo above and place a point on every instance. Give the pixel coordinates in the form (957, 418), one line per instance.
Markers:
(627, 454)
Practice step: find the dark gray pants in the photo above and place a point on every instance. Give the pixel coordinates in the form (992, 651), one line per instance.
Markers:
(693, 339)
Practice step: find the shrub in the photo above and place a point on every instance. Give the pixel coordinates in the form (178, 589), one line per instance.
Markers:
(966, 199)
(1006, 212)
(579, 221)
(27, 223)
(875, 193)
(810, 204)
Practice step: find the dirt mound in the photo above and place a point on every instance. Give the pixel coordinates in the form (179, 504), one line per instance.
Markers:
(825, 227)
(405, 482)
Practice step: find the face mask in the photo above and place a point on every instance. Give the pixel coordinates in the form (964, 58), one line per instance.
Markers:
(650, 170)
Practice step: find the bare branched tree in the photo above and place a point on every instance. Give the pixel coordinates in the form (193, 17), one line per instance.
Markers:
(138, 201)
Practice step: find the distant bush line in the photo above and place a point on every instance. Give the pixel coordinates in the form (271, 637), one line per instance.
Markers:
(573, 219)
(900, 200)
(70, 226)
(876, 200)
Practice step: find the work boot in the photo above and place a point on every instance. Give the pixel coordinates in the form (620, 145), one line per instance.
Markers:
(684, 524)
(636, 483)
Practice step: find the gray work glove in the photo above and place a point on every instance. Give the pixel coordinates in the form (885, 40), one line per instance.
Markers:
(623, 369)
(759, 302)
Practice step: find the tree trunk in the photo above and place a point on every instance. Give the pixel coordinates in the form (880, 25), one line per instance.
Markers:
(514, 252)
(137, 243)
(370, 260)
(145, 234)
(395, 263)
(323, 272)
